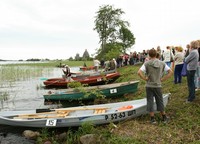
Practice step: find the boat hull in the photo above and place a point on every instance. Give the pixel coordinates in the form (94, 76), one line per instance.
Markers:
(90, 93)
(90, 80)
(76, 117)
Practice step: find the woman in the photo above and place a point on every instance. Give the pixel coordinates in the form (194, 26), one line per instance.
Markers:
(192, 63)
(178, 62)
(197, 74)
(168, 56)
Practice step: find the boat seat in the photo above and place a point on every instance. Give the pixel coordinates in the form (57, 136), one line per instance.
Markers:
(99, 111)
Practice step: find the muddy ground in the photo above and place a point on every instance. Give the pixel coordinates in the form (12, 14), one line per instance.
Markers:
(13, 135)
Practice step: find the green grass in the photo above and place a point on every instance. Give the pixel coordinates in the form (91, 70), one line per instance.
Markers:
(184, 125)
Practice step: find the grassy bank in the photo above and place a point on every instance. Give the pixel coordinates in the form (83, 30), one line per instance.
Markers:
(184, 125)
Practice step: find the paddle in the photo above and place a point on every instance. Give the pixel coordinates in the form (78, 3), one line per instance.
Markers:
(70, 109)
(43, 110)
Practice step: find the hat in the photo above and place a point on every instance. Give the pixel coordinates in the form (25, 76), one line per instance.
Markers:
(66, 66)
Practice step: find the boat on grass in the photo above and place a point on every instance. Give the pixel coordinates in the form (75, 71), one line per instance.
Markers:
(90, 93)
(75, 116)
(90, 80)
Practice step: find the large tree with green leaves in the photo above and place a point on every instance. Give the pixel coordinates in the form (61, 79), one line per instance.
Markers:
(113, 32)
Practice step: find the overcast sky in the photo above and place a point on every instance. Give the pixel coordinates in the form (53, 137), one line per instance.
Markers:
(59, 29)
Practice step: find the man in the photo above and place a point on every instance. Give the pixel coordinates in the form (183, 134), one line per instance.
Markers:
(154, 70)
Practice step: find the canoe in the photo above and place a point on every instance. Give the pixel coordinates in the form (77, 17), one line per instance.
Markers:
(90, 93)
(90, 80)
(75, 116)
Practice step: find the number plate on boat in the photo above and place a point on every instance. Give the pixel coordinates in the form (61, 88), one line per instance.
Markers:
(51, 122)
(113, 91)
(120, 115)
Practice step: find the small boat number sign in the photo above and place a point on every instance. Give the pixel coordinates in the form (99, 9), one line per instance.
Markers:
(113, 91)
(120, 115)
(51, 122)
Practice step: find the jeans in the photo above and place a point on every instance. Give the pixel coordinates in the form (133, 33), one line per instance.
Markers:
(168, 63)
(191, 84)
(177, 73)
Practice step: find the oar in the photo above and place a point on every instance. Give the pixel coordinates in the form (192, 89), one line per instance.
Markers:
(70, 109)
(43, 110)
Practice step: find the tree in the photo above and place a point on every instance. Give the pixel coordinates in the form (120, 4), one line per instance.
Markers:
(127, 38)
(112, 50)
(112, 29)
(77, 57)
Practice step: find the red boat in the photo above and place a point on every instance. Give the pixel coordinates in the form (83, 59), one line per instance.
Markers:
(87, 68)
(90, 80)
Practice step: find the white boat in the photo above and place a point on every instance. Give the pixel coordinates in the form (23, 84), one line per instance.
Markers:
(75, 116)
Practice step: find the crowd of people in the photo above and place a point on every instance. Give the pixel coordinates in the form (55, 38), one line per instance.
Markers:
(158, 68)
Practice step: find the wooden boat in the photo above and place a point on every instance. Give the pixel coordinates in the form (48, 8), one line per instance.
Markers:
(91, 73)
(83, 68)
(90, 80)
(75, 116)
(90, 93)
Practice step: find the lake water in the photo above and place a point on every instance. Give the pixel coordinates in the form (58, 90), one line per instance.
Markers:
(28, 94)
(25, 93)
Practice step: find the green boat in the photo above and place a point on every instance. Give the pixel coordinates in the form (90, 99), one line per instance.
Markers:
(90, 93)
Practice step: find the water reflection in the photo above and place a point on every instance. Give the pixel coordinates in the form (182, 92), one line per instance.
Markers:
(26, 92)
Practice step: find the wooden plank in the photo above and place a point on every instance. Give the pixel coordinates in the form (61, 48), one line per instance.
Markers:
(81, 108)
(61, 112)
(44, 115)
(99, 111)
(53, 112)
(40, 117)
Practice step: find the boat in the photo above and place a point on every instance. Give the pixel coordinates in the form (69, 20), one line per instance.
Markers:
(89, 80)
(91, 73)
(85, 68)
(75, 116)
(90, 93)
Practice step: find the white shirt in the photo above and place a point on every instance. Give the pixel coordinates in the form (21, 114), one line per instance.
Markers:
(143, 68)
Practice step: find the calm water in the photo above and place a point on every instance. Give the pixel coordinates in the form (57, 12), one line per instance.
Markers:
(24, 93)
(28, 94)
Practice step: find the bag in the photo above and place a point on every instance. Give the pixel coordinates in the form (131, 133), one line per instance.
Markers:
(184, 70)
(171, 57)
